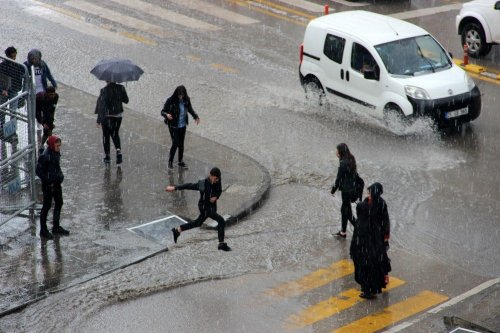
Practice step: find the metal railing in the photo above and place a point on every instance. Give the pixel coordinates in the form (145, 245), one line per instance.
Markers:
(17, 141)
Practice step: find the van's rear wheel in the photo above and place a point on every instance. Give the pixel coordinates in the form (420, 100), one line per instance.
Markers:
(314, 91)
(473, 35)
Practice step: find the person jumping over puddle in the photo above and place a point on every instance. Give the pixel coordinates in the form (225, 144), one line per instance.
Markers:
(210, 190)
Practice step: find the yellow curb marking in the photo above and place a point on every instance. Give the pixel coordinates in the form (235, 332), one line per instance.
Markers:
(314, 280)
(332, 306)
(394, 313)
(224, 68)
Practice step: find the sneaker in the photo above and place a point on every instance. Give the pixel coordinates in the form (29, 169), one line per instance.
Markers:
(176, 234)
(46, 234)
(224, 247)
(182, 165)
(119, 158)
(341, 234)
(107, 159)
(60, 231)
(170, 165)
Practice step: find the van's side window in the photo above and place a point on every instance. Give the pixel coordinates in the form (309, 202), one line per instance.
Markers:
(362, 60)
(334, 48)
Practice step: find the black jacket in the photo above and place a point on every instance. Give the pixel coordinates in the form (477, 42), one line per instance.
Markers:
(15, 72)
(207, 191)
(170, 107)
(48, 167)
(346, 178)
(109, 102)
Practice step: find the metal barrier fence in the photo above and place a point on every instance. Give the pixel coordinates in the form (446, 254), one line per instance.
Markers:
(17, 141)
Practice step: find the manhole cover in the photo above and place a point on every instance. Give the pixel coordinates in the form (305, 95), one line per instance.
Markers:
(159, 231)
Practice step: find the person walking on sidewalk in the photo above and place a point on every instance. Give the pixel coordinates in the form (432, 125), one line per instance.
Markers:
(369, 243)
(210, 190)
(346, 183)
(175, 111)
(48, 168)
(109, 110)
(45, 108)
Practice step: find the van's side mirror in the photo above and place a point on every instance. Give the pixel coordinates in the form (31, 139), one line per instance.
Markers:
(451, 55)
(370, 75)
(497, 5)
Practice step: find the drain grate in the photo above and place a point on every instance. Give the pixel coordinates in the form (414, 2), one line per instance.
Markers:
(159, 231)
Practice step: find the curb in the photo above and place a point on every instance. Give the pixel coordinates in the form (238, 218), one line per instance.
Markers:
(476, 69)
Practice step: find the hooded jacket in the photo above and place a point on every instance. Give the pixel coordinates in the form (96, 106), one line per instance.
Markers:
(46, 75)
(48, 167)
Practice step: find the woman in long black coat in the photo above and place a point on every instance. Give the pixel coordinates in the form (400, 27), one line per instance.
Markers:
(369, 243)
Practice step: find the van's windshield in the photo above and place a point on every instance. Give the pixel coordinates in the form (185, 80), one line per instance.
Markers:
(413, 56)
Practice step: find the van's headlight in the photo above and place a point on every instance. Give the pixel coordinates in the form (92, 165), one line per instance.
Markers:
(470, 82)
(416, 92)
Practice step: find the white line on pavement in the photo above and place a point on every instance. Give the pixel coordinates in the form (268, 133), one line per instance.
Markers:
(77, 25)
(114, 16)
(426, 11)
(350, 4)
(306, 5)
(216, 11)
(167, 15)
(451, 302)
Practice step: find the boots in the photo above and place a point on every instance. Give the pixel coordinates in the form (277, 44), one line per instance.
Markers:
(44, 233)
(58, 230)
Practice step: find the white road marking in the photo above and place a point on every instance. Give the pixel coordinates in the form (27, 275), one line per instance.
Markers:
(350, 4)
(78, 25)
(306, 5)
(426, 11)
(216, 11)
(451, 302)
(167, 15)
(114, 16)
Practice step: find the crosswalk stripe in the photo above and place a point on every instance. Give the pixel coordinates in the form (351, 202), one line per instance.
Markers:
(306, 5)
(167, 15)
(426, 11)
(114, 16)
(280, 8)
(332, 306)
(394, 313)
(302, 21)
(73, 23)
(216, 11)
(314, 280)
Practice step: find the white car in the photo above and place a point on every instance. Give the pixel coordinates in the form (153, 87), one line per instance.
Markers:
(479, 25)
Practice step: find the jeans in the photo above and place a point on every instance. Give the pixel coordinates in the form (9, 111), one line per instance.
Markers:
(177, 135)
(204, 214)
(111, 129)
(51, 191)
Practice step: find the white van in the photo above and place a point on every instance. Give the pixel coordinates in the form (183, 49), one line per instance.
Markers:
(386, 67)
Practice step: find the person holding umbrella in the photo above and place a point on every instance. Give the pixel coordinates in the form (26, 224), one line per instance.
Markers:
(109, 106)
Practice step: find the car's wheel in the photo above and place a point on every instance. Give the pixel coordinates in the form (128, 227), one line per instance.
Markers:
(394, 114)
(473, 35)
(314, 91)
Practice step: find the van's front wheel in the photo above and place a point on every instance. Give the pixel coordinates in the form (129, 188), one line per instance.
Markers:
(314, 91)
(394, 114)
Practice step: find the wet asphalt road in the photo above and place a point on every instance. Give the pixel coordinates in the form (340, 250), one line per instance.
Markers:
(441, 188)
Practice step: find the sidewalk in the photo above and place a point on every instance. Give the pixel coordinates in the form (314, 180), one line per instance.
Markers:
(101, 203)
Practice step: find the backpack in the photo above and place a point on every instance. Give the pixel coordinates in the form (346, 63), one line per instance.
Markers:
(359, 185)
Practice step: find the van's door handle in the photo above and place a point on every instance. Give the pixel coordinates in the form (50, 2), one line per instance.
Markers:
(347, 75)
(342, 74)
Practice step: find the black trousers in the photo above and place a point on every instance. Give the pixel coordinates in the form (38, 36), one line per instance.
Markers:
(346, 209)
(177, 135)
(204, 214)
(51, 191)
(111, 130)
